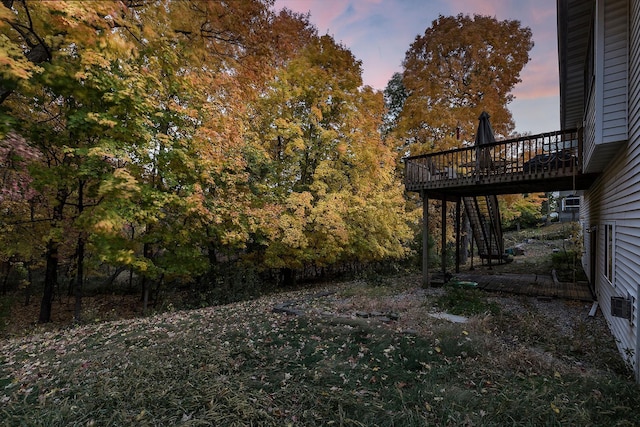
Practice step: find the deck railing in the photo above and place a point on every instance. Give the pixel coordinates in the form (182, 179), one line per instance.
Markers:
(544, 155)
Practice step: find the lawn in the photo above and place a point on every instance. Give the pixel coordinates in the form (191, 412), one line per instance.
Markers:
(354, 354)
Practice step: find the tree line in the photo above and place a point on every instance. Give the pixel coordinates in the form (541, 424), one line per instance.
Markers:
(168, 138)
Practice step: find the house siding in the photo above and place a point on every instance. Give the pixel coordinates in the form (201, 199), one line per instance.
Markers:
(615, 72)
(590, 132)
(606, 114)
(614, 199)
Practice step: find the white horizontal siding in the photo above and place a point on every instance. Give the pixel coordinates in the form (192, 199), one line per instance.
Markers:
(615, 197)
(612, 130)
(634, 141)
(615, 72)
(587, 222)
(615, 68)
(589, 135)
(614, 95)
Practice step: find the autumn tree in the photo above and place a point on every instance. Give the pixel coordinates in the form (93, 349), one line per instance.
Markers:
(114, 110)
(395, 96)
(202, 61)
(521, 210)
(459, 67)
(158, 135)
(325, 164)
(208, 79)
(63, 114)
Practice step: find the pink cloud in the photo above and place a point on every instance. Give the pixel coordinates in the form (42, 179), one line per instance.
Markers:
(322, 14)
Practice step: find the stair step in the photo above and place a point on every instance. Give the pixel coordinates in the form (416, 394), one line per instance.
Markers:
(484, 217)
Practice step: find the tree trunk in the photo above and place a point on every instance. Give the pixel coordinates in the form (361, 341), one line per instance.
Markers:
(130, 285)
(156, 294)
(211, 253)
(50, 281)
(5, 280)
(27, 296)
(27, 292)
(288, 277)
(51, 270)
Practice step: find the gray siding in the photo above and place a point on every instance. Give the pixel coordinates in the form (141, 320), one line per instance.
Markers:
(634, 141)
(615, 66)
(615, 197)
(606, 115)
(589, 134)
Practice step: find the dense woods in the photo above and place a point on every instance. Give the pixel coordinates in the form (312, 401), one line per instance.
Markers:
(202, 144)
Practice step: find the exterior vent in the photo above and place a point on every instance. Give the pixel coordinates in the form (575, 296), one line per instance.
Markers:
(621, 307)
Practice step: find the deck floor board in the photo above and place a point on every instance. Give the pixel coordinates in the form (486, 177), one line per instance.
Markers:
(537, 285)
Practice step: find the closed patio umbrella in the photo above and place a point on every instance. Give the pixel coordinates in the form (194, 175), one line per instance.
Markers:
(484, 136)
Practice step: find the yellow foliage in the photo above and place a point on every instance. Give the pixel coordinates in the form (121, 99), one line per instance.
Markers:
(13, 63)
(300, 203)
(123, 184)
(105, 226)
(101, 119)
(198, 142)
(292, 234)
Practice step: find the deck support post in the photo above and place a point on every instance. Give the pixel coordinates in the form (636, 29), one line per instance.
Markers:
(443, 245)
(489, 226)
(458, 213)
(425, 240)
(471, 244)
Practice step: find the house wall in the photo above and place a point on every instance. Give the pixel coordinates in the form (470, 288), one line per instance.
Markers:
(614, 200)
(615, 71)
(606, 115)
(590, 134)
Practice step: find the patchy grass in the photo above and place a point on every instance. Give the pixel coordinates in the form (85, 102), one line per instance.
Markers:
(465, 301)
(242, 364)
(554, 231)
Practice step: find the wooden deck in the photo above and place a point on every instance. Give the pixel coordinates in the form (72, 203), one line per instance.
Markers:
(536, 163)
(535, 285)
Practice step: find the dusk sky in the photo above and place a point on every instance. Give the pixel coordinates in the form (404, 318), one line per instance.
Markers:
(379, 32)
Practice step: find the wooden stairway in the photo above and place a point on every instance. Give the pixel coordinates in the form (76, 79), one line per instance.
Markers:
(486, 226)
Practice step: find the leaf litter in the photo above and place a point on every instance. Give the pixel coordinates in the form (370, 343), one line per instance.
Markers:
(244, 364)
